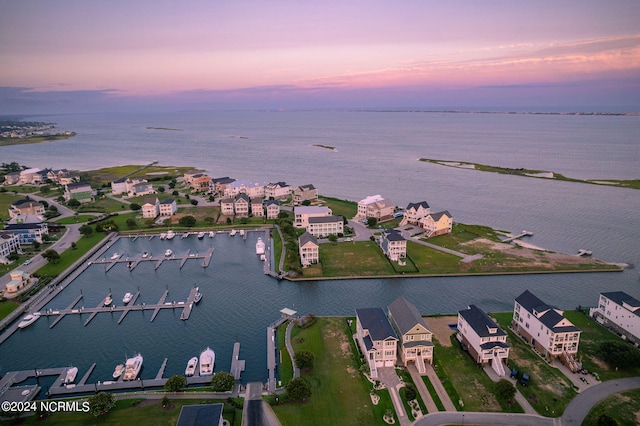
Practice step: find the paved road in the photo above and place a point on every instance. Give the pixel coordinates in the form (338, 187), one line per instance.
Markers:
(257, 412)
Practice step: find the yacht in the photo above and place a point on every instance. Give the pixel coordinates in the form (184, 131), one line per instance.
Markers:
(263, 257)
(242, 232)
(197, 297)
(132, 367)
(212, 234)
(260, 246)
(170, 234)
(163, 236)
(168, 252)
(207, 360)
(118, 371)
(114, 256)
(145, 254)
(191, 367)
(72, 372)
(127, 298)
(232, 233)
(107, 300)
(200, 235)
(28, 320)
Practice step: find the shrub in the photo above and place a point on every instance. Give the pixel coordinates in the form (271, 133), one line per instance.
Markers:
(222, 381)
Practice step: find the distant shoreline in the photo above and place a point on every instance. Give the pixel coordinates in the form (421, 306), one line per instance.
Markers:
(35, 139)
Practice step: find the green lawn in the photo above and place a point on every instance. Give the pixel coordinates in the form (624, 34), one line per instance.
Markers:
(102, 205)
(75, 219)
(69, 256)
(97, 178)
(362, 258)
(431, 261)
(622, 407)
(7, 307)
(433, 394)
(339, 207)
(6, 199)
(160, 196)
(286, 367)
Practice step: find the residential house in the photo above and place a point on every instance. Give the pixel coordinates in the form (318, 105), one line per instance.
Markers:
(150, 208)
(273, 209)
(141, 188)
(31, 176)
(12, 178)
(257, 207)
(9, 243)
(415, 336)
(119, 186)
(241, 205)
(393, 244)
(252, 189)
(201, 414)
(167, 207)
(188, 176)
(415, 212)
(377, 207)
(220, 184)
(278, 190)
(437, 223)
(323, 226)
(19, 280)
(303, 213)
(621, 312)
(28, 228)
(25, 207)
(305, 193)
(376, 338)
(201, 183)
(226, 206)
(483, 338)
(62, 176)
(544, 327)
(78, 191)
(309, 249)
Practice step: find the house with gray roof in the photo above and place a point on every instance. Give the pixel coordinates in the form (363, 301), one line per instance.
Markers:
(309, 249)
(414, 212)
(376, 338)
(415, 336)
(305, 193)
(24, 207)
(435, 224)
(544, 327)
(273, 208)
(323, 226)
(620, 312)
(485, 341)
(393, 244)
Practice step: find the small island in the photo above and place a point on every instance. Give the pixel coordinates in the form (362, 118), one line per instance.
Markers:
(18, 132)
(163, 128)
(329, 147)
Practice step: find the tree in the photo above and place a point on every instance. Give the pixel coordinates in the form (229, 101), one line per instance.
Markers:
(209, 220)
(175, 383)
(46, 238)
(304, 360)
(101, 403)
(228, 221)
(619, 354)
(298, 389)
(222, 381)
(73, 203)
(86, 230)
(45, 189)
(51, 255)
(410, 392)
(161, 189)
(606, 420)
(505, 390)
(372, 222)
(106, 226)
(36, 245)
(333, 238)
(175, 193)
(131, 223)
(135, 207)
(74, 246)
(306, 203)
(194, 202)
(283, 215)
(13, 256)
(188, 221)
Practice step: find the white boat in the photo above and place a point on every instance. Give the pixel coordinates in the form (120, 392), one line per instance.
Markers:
(127, 298)
(28, 320)
(118, 371)
(263, 257)
(212, 234)
(242, 232)
(72, 372)
(107, 300)
(207, 360)
(191, 367)
(260, 246)
(197, 297)
(170, 235)
(114, 256)
(163, 236)
(145, 255)
(168, 252)
(232, 233)
(132, 367)
(200, 235)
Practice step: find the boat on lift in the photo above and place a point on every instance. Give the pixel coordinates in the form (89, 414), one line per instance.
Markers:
(207, 360)
(260, 246)
(70, 377)
(132, 367)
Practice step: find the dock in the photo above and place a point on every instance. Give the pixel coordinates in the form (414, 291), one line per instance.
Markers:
(520, 235)
(132, 262)
(96, 311)
(161, 371)
(129, 305)
(70, 307)
(271, 358)
(237, 365)
(184, 258)
(159, 305)
(87, 374)
(207, 258)
(189, 305)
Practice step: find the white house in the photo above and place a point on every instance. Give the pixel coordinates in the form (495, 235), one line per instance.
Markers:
(30, 176)
(375, 206)
(19, 280)
(544, 327)
(437, 223)
(28, 228)
(415, 336)
(252, 189)
(483, 338)
(167, 207)
(376, 338)
(141, 188)
(226, 206)
(277, 190)
(309, 249)
(257, 207)
(415, 212)
(25, 207)
(9, 243)
(305, 193)
(273, 209)
(620, 312)
(323, 226)
(303, 213)
(393, 244)
(150, 208)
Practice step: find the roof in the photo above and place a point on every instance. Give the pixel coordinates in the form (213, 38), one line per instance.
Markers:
(424, 205)
(547, 315)
(326, 219)
(243, 196)
(223, 180)
(24, 219)
(480, 322)
(257, 200)
(277, 184)
(308, 187)
(150, 200)
(312, 210)
(438, 216)
(26, 203)
(121, 180)
(77, 185)
(376, 323)
(622, 298)
(305, 238)
(168, 201)
(405, 315)
(272, 202)
(392, 235)
(200, 415)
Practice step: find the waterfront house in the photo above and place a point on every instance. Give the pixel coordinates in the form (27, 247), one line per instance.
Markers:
(150, 208)
(226, 206)
(62, 176)
(25, 207)
(78, 191)
(544, 327)
(188, 176)
(309, 249)
(393, 244)
(620, 312)
(28, 228)
(277, 190)
(303, 213)
(257, 207)
(201, 183)
(437, 224)
(12, 178)
(273, 208)
(305, 193)
(141, 188)
(241, 205)
(31, 176)
(19, 280)
(323, 226)
(252, 189)
(485, 341)
(415, 336)
(377, 207)
(119, 186)
(376, 339)
(167, 207)
(220, 184)
(414, 213)
(9, 243)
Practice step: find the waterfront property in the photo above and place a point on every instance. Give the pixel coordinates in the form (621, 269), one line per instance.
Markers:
(150, 208)
(78, 191)
(323, 226)
(435, 224)
(28, 228)
(309, 249)
(277, 190)
(25, 207)
(252, 189)
(393, 244)
(273, 208)
(376, 338)
(9, 243)
(620, 312)
(257, 207)
(376, 207)
(414, 213)
(485, 341)
(303, 213)
(305, 193)
(415, 336)
(167, 207)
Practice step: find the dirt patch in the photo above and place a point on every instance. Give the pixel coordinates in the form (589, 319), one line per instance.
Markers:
(440, 328)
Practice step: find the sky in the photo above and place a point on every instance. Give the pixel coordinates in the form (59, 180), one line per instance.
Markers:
(98, 55)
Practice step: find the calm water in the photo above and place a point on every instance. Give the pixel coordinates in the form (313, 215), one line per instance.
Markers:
(376, 153)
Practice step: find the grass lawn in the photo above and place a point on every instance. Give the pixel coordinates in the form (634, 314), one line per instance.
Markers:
(361, 258)
(102, 205)
(277, 249)
(160, 196)
(286, 367)
(75, 219)
(7, 307)
(462, 233)
(338, 207)
(339, 393)
(590, 338)
(623, 407)
(97, 178)
(6, 199)
(431, 261)
(69, 256)
(548, 387)
(135, 411)
(433, 394)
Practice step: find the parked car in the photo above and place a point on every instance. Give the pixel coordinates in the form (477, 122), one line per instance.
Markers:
(524, 380)
(28, 261)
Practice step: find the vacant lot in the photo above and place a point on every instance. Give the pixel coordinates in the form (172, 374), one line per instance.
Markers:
(354, 259)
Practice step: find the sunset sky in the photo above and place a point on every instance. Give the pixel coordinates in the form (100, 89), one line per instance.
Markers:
(73, 56)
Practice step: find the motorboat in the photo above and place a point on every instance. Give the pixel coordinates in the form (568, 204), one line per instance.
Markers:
(207, 361)
(170, 235)
(191, 367)
(107, 300)
(127, 298)
(132, 367)
(168, 252)
(163, 236)
(260, 246)
(197, 297)
(242, 232)
(263, 257)
(28, 320)
(200, 235)
(114, 256)
(72, 372)
(232, 233)
(118, 371)
(145, 255)
(212, 234)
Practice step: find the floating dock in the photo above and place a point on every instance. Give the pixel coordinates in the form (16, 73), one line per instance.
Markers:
(132, 262)
(520, 235)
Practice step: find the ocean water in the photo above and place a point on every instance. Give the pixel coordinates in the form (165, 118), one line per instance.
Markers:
(376, 153)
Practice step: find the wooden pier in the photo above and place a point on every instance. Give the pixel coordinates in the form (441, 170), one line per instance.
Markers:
(69, 308)
(520, 235)
(189, 305)
(207, 258)
(237, 365)
(159, 305)
(132, 262)
(129, 305)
